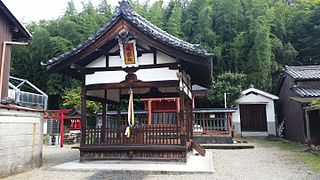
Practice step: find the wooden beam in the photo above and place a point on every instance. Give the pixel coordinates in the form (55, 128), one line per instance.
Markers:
(98, 99)
(107, 61)
(139, 53)
(137, 84)
(134, 148)
(155, 61)
(119, 68)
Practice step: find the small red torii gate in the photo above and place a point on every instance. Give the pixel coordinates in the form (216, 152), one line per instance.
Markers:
(61, 117)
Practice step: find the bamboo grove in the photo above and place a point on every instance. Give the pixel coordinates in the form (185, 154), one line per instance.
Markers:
(252, 40)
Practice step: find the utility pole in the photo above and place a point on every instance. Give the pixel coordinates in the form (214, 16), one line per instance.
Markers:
(225, 99)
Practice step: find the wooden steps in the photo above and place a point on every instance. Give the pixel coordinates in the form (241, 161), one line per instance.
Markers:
(198, 148)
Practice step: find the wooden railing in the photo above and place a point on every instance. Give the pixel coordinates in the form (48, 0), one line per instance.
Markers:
(153, 135)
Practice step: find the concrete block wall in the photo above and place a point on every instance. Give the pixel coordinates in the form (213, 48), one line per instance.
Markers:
(21, 141)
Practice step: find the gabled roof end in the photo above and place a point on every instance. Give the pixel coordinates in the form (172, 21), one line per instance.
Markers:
(252, 89)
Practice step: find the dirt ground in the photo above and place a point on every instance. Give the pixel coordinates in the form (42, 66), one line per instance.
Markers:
(265, 161)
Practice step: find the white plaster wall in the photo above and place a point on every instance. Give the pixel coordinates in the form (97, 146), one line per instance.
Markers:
(115, 61)
(21, 141)
(146, 59)
(100, 62)
(253, 99)
(105, 77)
(163, 58)
(271, 119)
(157, 74)
(270, 115)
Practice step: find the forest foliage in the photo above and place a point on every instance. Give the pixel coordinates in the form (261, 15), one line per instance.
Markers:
(252, 39)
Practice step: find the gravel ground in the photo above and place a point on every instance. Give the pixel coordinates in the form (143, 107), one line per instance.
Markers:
(262, 162)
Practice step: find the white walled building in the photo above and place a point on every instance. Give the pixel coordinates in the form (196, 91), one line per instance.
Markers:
(255, 115)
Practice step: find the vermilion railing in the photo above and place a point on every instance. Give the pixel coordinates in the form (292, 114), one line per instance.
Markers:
(211, 122)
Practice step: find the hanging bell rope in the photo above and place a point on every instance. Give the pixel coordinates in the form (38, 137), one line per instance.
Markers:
(130, 114)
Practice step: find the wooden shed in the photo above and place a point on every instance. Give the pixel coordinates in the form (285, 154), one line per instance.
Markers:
(130, 58)
(298, 86)
(255, 114)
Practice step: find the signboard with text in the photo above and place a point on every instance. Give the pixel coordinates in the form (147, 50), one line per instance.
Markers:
(128, 49)
(129, 54)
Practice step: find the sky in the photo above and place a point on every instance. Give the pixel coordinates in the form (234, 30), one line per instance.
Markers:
(34, 10)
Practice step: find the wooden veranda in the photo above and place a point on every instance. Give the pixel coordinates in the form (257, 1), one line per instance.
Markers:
(148, 140)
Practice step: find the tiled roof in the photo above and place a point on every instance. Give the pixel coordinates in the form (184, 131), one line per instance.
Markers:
(303, 72)
(197, 88)
(125, 10)
(307, 91)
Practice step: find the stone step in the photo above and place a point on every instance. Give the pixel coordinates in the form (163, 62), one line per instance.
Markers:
(228, 146)
(213, 139)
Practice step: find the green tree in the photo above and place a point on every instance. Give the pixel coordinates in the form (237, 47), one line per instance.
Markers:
(204, 33)
(228, 82)
(71, 9)
(190, 17)
(259, 62)
(105, 10)
(173, 18)
(72, 98)
(155, 14)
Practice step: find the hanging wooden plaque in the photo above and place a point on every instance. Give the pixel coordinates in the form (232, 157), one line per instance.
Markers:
(129, 54)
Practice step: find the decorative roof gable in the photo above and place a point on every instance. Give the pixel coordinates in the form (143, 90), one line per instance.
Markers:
(257, 91)
(125, 10)
(198, 61)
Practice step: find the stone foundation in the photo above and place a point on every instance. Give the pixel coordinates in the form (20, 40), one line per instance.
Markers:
(212, 139)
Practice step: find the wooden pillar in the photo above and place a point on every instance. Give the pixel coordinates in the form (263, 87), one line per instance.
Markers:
(178, 111)
(104, 119)
(61, 128)
(306, 115)
(119, 113)
(83, 113)
(229, 123)
(182, 124)
(120, 124)
(181, 117)
(149, 112)
(191, 121)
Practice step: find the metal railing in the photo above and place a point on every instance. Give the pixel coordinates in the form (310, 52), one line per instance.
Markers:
(27, 98)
